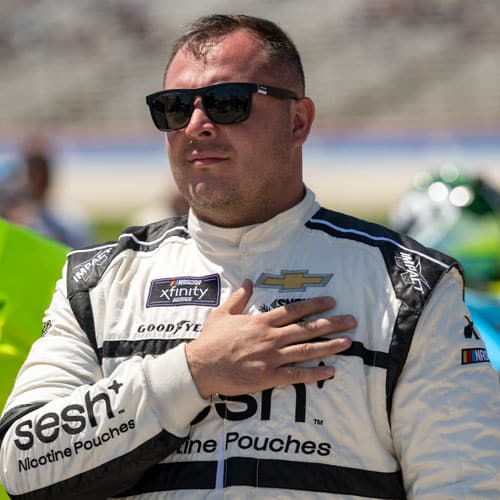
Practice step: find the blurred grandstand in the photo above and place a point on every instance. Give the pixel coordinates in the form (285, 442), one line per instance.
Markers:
(83, 68)
(92, 61)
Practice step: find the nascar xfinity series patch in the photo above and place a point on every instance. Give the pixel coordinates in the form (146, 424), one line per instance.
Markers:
(185, 291)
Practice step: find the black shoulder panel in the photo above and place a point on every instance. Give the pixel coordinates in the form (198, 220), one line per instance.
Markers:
(86, 266)
(414, 271)
(413, 268)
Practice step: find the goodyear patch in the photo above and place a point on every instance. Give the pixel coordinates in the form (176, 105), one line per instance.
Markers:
(474, 355)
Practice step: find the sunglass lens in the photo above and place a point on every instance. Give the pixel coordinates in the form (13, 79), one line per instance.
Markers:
(178, 109)
(172, 111)
(228, 104)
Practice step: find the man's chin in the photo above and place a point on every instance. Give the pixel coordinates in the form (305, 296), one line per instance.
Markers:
(214, 196)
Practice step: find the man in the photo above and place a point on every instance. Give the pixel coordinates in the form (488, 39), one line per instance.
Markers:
(200, 357)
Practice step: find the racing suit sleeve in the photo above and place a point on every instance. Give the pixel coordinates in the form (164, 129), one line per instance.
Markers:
(446, 412)
(69, 432)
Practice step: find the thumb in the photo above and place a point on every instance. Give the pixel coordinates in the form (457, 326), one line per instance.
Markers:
(236, 302)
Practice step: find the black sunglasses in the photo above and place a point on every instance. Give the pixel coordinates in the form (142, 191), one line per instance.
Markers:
(224, 103)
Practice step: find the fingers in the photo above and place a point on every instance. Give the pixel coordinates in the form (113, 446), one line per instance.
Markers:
(272, 348)
(236, 302)
(281, 316)
(304, 331)
(288, 375)
(295, 311)
(313, 350)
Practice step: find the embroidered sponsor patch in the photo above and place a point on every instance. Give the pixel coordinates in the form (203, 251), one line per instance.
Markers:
(277, 303)
(474, 355)
(185, 291)
(412, 272)
(296, 281)
(85, 270)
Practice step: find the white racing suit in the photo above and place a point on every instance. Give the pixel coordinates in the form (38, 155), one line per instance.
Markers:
(105, 405)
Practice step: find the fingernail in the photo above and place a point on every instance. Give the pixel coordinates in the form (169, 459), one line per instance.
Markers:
(350, 321)
(328, 301)
(344, 341)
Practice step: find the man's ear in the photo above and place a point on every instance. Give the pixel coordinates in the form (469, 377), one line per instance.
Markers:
(303, 120)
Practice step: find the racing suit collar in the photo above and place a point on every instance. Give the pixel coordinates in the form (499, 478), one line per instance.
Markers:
(215, 240)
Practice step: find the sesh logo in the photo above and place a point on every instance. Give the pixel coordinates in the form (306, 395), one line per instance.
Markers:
(185, 291)
(412, 274)
(277, 303)
(72, 419)
(246, 406)
(84, 270)
(95, 421)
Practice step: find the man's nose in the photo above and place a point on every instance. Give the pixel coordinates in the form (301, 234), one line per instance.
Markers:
(199, 124)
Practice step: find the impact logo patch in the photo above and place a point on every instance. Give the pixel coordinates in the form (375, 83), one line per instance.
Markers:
(412, 274)
(84, 270)
(292, 281)
(474, 355)
(185, 291)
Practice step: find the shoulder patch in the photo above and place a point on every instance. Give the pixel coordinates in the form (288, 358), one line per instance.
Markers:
(87, 265)
(474, 355)
(413, 268)
(94, 260)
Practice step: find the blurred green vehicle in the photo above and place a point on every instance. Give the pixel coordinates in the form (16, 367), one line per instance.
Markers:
(29, 268)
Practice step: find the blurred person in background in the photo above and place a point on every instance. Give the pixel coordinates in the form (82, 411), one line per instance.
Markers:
(25, 198)
(262, 346)
(171, 204)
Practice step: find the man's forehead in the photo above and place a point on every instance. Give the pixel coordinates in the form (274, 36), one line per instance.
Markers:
(235, 55)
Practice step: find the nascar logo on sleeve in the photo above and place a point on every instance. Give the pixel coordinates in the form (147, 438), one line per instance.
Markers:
(474, 355)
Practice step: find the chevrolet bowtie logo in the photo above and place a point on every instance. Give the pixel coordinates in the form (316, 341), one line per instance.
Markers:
(292, 280)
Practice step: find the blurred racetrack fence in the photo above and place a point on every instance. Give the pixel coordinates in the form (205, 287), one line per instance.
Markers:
(400, 85)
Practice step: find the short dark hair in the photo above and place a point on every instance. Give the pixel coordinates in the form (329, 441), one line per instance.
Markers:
(278, 46)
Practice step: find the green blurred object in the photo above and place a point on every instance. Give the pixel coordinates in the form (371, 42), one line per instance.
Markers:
(30, 264)
(29, 268)
(460, 215)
